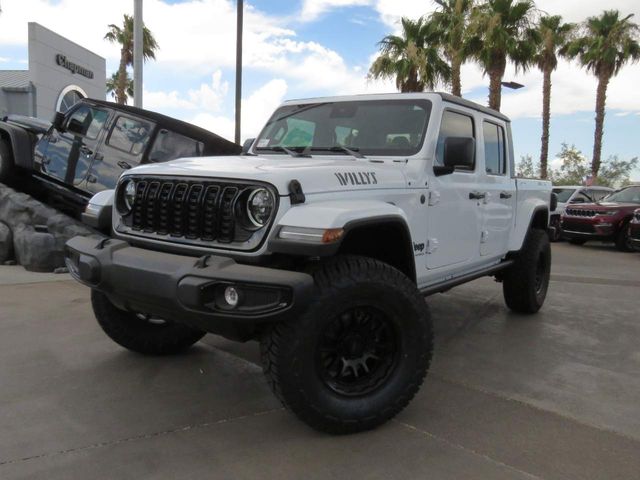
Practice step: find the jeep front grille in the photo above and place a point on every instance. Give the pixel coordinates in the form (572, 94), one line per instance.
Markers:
(187, 209)
(575, 212)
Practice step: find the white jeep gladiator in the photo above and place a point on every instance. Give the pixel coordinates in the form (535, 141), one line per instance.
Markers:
(321, 241)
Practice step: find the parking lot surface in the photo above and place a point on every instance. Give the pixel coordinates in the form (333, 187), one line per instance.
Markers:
(551, 396)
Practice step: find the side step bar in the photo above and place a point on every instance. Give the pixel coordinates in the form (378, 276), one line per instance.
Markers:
(454, 282)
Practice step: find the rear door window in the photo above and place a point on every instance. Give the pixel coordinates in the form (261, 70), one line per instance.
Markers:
(129, 135)
(169, 145)
(494, 149)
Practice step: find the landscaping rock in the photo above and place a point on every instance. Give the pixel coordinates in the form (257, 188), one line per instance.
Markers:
(39, 249)
(6, 243)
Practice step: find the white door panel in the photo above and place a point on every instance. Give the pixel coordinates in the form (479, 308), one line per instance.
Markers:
(453, 221)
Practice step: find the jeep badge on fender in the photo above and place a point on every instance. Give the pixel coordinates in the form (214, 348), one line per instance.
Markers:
(319, 243)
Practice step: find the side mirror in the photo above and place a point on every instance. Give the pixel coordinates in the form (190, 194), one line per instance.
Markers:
(58, 121)
(459, 152)
(246, 146)
(75, 126)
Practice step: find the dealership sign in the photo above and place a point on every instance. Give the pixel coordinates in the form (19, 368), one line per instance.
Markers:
(72, 67)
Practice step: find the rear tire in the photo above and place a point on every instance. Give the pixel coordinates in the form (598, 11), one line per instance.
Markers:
(7, 164)
(526, 282)
(358, 354)
(139, 333)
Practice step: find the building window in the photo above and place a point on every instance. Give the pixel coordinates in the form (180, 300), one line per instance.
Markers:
(69, 97)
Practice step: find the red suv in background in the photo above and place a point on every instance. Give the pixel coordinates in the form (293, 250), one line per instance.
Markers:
(607, 220)
(634, 230)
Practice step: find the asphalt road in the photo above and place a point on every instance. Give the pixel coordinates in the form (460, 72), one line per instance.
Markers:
(554, 396)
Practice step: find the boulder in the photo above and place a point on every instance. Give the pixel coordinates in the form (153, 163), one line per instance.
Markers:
(39, 249)
(6, 243)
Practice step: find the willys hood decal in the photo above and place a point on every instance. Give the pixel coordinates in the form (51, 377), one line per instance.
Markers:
(316, 174)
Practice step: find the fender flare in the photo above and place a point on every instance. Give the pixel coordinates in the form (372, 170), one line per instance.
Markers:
(21, 144)
(335, 214)
(521, 238)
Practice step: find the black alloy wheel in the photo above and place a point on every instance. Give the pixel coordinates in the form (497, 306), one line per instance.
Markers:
(357, 351)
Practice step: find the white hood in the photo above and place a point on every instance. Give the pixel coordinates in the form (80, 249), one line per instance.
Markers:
(317, 174)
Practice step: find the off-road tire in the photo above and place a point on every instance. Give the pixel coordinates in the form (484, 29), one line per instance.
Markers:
(290, 350)
(577, 241)
(623, 242)
(130, 331)
(7, 165)
(526, 282)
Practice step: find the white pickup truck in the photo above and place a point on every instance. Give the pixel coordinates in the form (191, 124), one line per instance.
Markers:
(321, 241)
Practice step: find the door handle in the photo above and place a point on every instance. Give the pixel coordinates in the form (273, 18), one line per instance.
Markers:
(505, 195)
(477, 195)
(124, 165)
(86, 151)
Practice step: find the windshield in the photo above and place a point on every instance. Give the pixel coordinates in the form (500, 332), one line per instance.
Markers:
(564, 194)
(628, 195)
(373, 127)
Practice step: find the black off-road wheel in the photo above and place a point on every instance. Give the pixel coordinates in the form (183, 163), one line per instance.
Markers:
(358, 354)
(526, 282)
(623, 240)
(141, 333)
(7, 165)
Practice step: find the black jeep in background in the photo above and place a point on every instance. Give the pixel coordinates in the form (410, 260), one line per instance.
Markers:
(85, 150)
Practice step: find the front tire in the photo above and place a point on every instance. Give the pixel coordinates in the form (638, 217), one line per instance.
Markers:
(358, 354)
(623, 240)
(139, 333)
(526, 282)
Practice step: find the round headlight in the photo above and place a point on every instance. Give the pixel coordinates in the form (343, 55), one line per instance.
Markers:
(260, 205)
(128, 196)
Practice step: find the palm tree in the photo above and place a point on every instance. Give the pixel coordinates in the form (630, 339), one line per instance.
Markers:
(452, 21)
(413, 58)
(503, 30)
(554, 37)
(605, 44)
(112, 85)
(124, 37)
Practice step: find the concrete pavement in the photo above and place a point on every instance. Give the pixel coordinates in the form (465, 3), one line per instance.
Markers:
(552, 396)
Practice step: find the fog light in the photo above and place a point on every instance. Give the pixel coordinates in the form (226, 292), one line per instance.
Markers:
(231, 296)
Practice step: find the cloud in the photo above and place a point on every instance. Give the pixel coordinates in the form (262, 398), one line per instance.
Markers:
(312, 9)
(206, 96)
(256, 110)
(4, 59)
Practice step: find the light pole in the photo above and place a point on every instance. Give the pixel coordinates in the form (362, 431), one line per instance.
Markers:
(137, 53)
(239, 69)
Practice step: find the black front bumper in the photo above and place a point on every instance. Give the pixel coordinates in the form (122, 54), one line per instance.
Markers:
(187, 289)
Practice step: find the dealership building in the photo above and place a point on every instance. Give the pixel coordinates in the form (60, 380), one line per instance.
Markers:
(60, 73)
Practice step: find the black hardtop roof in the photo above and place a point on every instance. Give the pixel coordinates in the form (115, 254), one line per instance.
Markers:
(213, 143)
(447, 97)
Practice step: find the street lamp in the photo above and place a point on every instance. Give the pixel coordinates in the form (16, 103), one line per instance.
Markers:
(512, 85)
(239, 69)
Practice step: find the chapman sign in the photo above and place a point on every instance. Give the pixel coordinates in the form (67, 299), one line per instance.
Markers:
(72, 67)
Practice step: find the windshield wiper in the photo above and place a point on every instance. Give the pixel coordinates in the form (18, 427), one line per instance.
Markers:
(289, 151)
(340, 148)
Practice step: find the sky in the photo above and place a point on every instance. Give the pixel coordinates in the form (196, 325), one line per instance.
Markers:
(308, 48)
